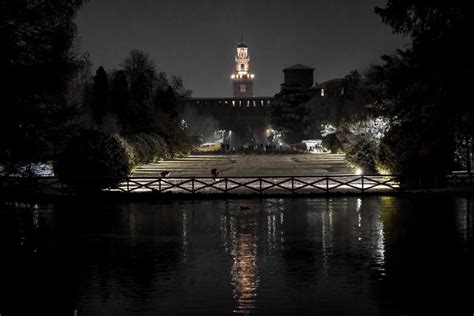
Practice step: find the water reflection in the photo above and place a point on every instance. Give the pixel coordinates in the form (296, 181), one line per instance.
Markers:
(365, 256)
(371, 226)
(240, 232)
(184, 229)
(464, 219)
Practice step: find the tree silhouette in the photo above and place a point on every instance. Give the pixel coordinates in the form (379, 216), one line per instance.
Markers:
(142, 78)
(100, 104)
(425, 88)
(38, 59)
(289, 113)
(120, 97)
(141, 73)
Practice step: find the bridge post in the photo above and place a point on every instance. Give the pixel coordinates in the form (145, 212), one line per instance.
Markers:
(260, 182)
(192, 185)
(292, 185)
(362, 177)
(225, 185)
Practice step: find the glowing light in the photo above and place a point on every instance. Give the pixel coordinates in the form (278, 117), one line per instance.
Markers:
(232, 77)
(252, 76)
(359, 171)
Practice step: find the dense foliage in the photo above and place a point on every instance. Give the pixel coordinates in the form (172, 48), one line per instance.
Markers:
(93, 160)
(37, 60)
(425, 88)
(145, 148)
(290, 116)
(51, 95)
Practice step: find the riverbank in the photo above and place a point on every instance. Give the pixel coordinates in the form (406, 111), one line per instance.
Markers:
(163, 197)
(272, 176)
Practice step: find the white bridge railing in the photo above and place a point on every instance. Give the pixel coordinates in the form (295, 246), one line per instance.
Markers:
(324, 184)
(260, 185)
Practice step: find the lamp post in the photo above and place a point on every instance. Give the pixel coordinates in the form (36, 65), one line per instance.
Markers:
(230, 140)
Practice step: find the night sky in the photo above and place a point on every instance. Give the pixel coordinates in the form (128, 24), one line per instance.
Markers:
(196, 39)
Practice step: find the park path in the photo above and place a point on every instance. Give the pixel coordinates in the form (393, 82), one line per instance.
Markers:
(248, 165)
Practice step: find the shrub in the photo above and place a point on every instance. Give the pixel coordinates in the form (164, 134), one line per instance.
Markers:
(421, 158)
(360, 153)
(145, 148)
(182, 144)
(332, 143)
(93, 160)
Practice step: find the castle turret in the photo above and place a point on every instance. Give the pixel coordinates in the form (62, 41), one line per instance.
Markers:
(300, 75)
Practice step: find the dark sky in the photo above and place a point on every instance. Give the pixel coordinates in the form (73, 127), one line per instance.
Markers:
(196, 39)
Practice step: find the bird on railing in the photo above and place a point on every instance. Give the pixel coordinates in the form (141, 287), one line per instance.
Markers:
(214, 173)
(165, 174)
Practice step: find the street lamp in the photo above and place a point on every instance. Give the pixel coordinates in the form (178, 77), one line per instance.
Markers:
(230, 140)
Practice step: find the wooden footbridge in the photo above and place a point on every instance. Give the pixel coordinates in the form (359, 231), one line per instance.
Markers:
(241, 185)
(260, 185)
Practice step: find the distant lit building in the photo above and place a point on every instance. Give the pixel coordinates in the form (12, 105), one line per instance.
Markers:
(244, 118)
(242, 77)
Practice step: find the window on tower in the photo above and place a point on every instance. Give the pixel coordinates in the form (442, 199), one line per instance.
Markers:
(242, 67)
(242, 88)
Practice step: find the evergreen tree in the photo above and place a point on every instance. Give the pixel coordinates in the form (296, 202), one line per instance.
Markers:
(120, 97)
(290, 115)
(100, 104)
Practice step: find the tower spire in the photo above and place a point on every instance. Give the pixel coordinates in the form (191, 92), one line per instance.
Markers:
(242, 77)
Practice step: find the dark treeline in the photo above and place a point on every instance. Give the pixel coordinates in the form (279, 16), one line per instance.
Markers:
(38, 59)
(425, 89)
(56, 108)
(411, 114)
(129, 118)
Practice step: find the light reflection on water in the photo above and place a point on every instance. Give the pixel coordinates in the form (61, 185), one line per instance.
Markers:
(331, 256)
(240, 239)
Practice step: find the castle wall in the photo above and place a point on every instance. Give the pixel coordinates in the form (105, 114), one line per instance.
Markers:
(247, 118)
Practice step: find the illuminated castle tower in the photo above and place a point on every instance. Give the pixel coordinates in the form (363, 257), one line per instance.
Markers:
(242, 78)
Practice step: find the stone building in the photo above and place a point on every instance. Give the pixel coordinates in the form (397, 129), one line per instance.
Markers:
(243, 118)
(300, 75)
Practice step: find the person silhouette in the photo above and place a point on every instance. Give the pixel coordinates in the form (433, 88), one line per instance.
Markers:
(214, 173)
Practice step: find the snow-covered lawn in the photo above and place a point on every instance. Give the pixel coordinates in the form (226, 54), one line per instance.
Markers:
(248, 165)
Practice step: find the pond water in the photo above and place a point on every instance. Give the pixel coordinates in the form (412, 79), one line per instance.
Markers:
(338, 256)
